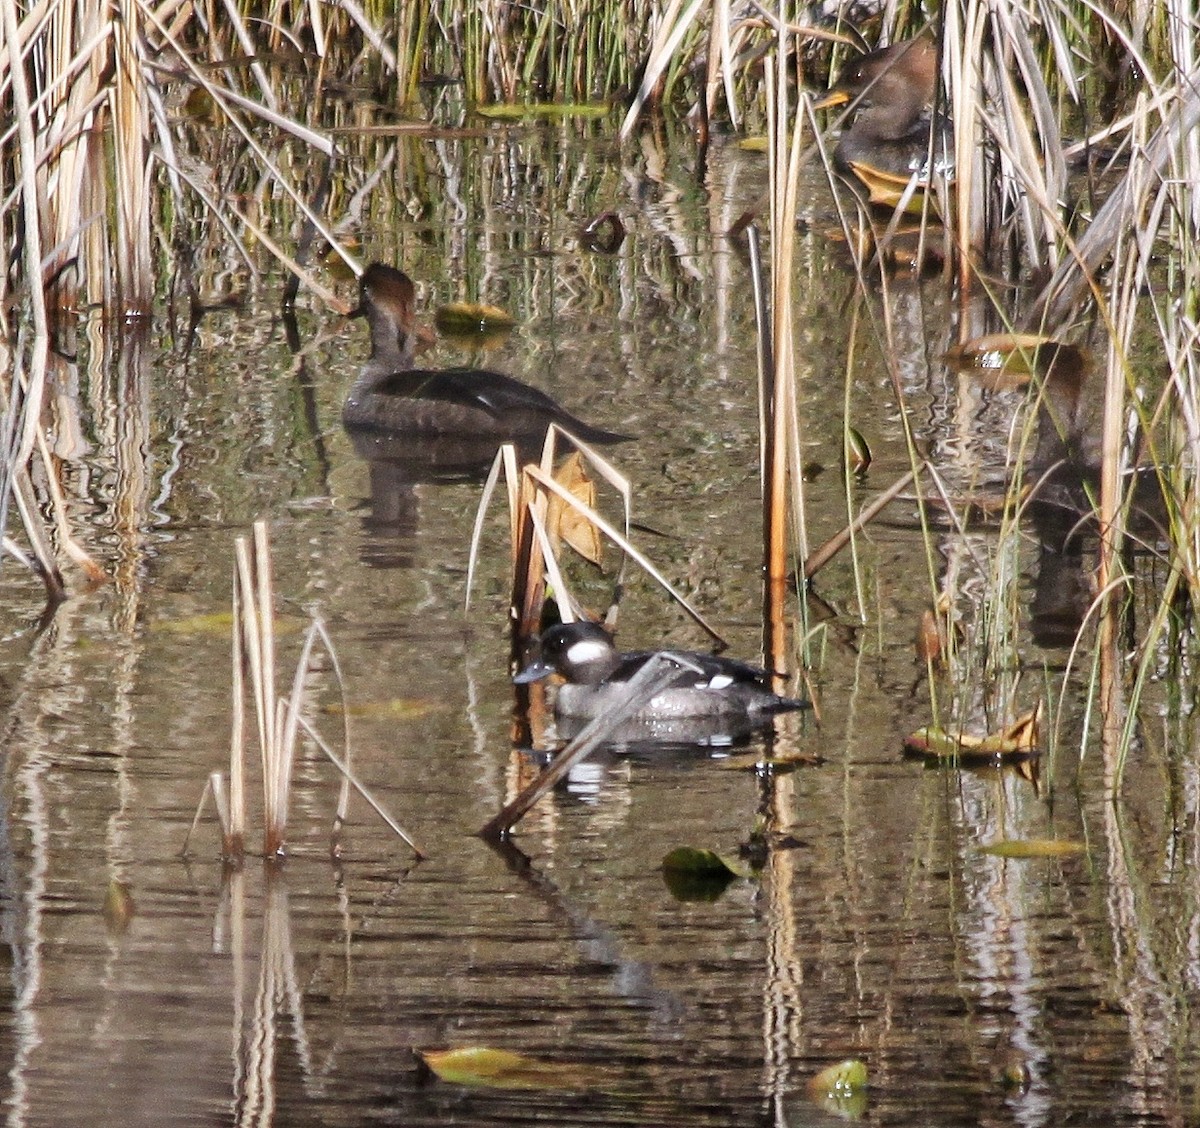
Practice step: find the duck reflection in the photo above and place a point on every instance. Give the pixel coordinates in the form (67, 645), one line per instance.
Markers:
(1064, 474)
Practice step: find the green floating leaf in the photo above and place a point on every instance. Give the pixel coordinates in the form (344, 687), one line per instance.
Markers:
(1034, 848)
(841, 1089)
(519, 111)
(858, 451)
(398, 708)
(693, 859)
(693, 874)
(484, 1067)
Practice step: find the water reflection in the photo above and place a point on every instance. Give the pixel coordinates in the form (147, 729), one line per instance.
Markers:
(889, 935)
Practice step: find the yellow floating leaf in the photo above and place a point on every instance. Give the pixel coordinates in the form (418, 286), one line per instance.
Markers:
(1034, 848)
(1021, 738)
(564, 522)
(483, 1067)
(518, 111)
(398, 708)
(118, 906)
(472, 317)
(755, 144)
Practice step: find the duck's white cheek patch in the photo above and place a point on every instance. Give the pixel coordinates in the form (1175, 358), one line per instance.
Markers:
(581, 653)
(720, 681)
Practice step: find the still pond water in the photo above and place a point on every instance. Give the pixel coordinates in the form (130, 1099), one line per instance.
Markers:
(878, 929)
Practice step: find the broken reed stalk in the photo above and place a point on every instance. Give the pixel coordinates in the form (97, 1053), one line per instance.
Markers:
(820, 556)
(256, 625)
(279, 720)
(533, 555)
(654, 676)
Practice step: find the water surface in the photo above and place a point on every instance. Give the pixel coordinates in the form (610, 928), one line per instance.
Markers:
(295, 995)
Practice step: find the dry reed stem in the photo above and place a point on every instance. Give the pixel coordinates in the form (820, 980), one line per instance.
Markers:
(649, 680)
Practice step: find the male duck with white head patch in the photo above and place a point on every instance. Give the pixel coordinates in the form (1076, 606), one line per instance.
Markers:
(707, 687)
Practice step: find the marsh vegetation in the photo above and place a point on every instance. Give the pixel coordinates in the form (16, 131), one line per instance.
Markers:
(189, 193)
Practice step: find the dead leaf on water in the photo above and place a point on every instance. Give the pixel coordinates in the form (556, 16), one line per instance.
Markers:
(1010, 359)
(463, 318)
(484, 1067)
(1034, 848)
(564, 522)
(1021, 738)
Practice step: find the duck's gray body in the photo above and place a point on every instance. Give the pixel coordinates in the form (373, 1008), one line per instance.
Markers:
(709, 699)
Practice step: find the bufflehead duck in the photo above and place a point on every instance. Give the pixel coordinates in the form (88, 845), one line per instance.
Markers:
(597, 674)
(390, 395)
(893, 91)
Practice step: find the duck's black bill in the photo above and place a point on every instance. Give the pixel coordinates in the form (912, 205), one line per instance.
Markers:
(535, 671)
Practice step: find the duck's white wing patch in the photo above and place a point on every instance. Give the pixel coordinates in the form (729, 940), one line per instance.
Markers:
(588, 650)
(720, 681)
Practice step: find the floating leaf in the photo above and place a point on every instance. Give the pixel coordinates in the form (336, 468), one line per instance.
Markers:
(1034, 848)
(513, 111)
(564, 522)
(118, 906)
(1021, 738)
(397, 708)
(693, 874)
(781, 762)
(693, 859)
(841, 1089)
(755, 144)
(461, 318)
(483, 1067)
(1011, 358)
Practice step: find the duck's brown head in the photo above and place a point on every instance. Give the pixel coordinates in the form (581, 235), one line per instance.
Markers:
(386, 299)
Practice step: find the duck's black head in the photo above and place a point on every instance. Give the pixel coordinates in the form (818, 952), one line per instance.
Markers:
(582, 652)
